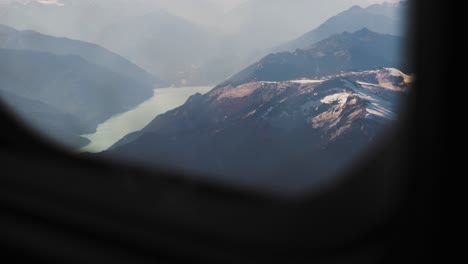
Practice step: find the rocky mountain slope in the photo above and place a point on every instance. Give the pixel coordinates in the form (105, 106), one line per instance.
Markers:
(360, 50)
(257, 133)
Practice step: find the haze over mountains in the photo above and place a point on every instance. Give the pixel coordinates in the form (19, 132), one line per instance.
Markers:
(174, 50)
(303, 114)
(326, 77)
(180, 40)
(31, 40)
(51, 122)
(387, 18)
(361, 50)
(67, 81)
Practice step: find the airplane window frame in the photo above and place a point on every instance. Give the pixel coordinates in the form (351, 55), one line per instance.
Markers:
(82, 196)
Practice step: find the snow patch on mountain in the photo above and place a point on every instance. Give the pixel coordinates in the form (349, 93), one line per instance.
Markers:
(380, 102)
(307, 81)
(370, 94)
(397, 73)
(340, 98)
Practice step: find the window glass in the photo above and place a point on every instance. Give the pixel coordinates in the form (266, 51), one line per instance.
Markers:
(276, 94)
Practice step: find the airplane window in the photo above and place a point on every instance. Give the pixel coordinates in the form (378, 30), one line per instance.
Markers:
(277, 94)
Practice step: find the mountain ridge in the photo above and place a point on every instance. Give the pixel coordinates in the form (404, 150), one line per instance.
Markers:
(362, 49)
(385, 18)
(11, 38)
(70, 84)
(253, 134)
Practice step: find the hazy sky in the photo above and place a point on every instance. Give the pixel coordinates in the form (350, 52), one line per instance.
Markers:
(227, 3)
(232, 3)
(226, 16)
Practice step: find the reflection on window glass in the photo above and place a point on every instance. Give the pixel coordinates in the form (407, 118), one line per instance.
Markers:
(273, 94)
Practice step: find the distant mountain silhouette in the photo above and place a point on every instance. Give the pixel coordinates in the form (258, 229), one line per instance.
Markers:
(185, 42)
(360, 50)
(165, 44)
(383, 18)
(30, 40)
(265, 24)
(70, 84)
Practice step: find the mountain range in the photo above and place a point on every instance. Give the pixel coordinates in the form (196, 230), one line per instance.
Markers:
(385, 18)
(164, 44)
(319, 106)
(256, 133)
(290, 119)
(142, 31)
(188, 43)
(11, 38)
(360, 50)
(55, 80)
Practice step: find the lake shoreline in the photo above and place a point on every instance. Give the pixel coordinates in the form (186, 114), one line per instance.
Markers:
(135, 119)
